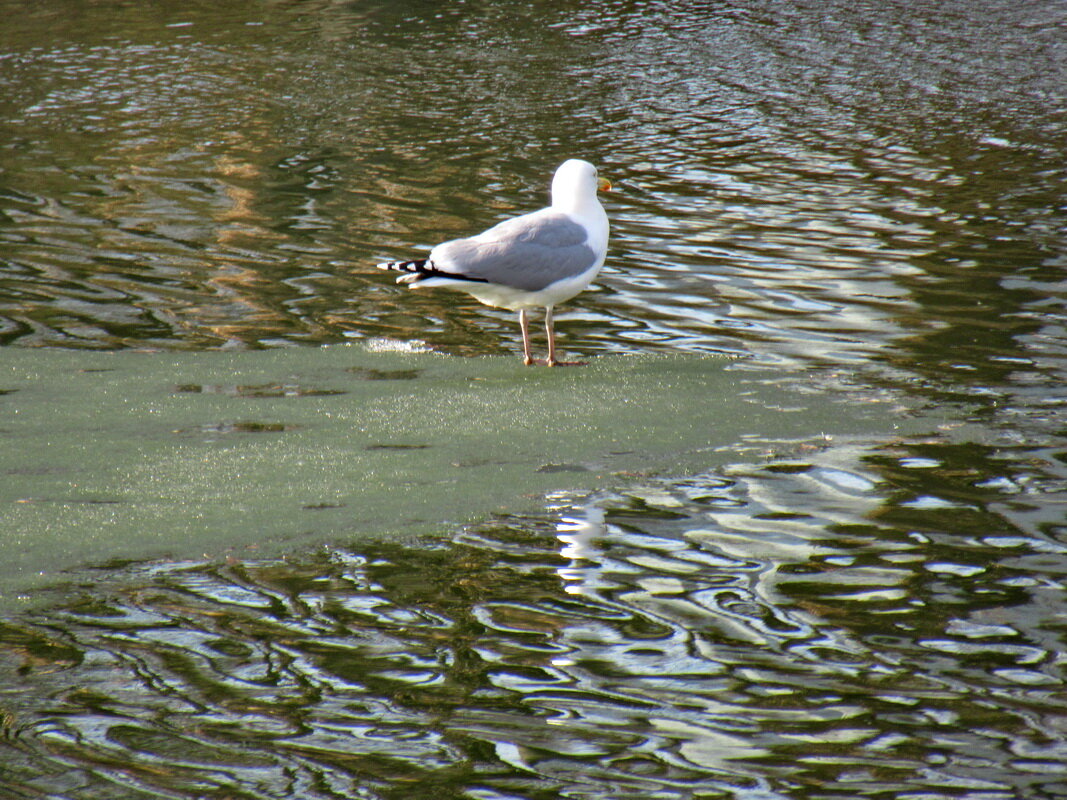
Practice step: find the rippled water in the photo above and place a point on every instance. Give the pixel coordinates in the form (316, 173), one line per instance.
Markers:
(846, 623)
(859, 194)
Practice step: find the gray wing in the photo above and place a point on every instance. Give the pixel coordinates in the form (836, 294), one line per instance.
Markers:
(529, 252)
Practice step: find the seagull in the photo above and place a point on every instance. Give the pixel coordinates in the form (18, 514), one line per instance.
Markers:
(538, 259)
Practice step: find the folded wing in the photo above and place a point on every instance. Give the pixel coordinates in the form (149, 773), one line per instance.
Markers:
(527, 253)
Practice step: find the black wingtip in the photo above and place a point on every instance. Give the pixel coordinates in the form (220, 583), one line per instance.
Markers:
(425, 269)
(405, 266)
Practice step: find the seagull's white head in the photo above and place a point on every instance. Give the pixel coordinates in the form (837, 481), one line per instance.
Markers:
(575, 185)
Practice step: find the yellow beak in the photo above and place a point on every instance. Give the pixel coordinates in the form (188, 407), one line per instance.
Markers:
(603, 184)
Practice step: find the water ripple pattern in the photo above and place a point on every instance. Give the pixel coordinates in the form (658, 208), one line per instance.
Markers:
(814, 184)
(696, 638)
(867, 197)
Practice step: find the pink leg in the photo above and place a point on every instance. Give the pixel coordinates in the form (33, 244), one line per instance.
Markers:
(524, 323)
(551, 331)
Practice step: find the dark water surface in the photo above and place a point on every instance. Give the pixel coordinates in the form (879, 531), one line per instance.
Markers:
(866, 195)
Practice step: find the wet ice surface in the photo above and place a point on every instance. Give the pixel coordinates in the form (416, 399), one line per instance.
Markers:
(137, 455)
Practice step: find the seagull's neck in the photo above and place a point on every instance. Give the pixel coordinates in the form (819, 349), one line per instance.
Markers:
(588, 212)
(584, 207)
